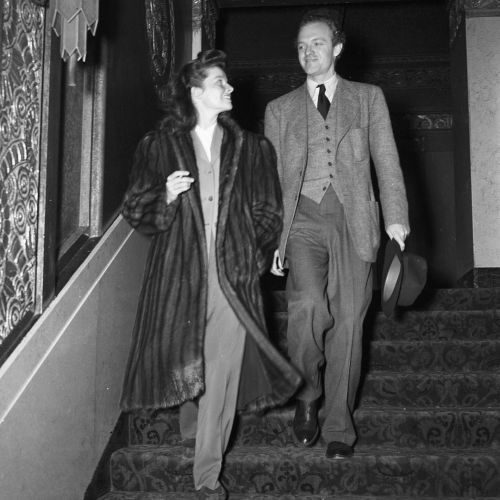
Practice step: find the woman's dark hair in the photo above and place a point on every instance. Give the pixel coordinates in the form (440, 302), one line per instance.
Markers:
(327, 16)
(180, 113)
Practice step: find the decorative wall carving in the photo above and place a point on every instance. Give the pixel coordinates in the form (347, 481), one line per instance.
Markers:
(479, 6)
(409, 78)
(429, 121)
(20, 96)
(205, 17)
(459, 9)
(160, 26)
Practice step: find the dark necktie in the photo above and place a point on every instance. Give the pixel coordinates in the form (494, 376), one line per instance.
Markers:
(323, 102)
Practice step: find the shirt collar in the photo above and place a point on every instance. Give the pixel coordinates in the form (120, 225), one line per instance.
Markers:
(205, 136)
(330, 86)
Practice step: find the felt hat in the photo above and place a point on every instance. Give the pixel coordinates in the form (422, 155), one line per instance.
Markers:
(403, 277)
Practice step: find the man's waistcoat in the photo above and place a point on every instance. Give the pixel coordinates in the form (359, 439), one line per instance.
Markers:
(320, 169)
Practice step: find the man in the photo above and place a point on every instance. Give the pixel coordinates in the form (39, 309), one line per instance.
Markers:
(325, 133)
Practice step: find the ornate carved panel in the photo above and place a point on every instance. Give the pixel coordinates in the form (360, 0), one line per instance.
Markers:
(429, 121)
(205, 17)
(160, 26)
(20, 96)
(470, 8)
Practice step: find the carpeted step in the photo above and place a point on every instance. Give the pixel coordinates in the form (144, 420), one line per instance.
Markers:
(432, 325)
(456, 299)
(403, 429)
(430, 390)
(433, 430)
(414, 326)
(290, 470)
(122, 495)
(418, 356)
(448, 299)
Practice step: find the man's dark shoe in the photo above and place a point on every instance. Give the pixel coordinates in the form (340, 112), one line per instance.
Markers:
(205, 493)
(305, 422)
(338, 450)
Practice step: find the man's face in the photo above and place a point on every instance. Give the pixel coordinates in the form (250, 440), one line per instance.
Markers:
(215, 93)
(316, 51)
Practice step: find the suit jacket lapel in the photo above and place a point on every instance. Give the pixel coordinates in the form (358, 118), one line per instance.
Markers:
(297, 140)
(346, 110)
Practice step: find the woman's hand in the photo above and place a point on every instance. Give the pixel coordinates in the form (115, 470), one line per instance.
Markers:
(177, 183)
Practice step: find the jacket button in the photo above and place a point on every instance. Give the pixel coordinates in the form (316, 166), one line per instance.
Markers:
(328, 151)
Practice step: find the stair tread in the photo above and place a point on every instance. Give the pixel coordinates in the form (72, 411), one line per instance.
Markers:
(380, 316)
(188, 495)
(443, 342)
(433, 373)
(458, 299)
(262, 469)
(316, 451)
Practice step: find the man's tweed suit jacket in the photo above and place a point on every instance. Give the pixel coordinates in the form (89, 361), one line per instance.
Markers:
(362, 131)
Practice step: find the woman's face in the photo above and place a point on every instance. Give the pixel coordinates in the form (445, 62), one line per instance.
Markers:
(215, 93)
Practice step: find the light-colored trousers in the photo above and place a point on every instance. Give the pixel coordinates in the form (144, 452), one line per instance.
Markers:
(212, 421)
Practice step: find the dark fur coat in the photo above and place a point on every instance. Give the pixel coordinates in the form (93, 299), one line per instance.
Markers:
(165, 365)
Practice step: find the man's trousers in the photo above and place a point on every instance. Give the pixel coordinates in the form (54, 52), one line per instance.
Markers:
(329, 289)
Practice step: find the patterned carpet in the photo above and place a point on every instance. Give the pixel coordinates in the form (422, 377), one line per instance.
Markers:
(428, 419)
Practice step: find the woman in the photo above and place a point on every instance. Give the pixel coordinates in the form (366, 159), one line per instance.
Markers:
(200, 332)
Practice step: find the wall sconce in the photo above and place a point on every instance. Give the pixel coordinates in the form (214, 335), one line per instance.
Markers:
(71, 19)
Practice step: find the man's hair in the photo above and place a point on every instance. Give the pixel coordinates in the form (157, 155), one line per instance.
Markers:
(180, 113)
(327, 16)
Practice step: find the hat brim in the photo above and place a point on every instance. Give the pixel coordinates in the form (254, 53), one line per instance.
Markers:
(392, 277)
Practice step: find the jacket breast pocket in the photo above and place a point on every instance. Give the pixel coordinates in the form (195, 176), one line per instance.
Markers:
(358, 141)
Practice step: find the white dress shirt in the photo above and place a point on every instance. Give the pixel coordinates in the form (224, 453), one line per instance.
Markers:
(330, 86)
(206, 135)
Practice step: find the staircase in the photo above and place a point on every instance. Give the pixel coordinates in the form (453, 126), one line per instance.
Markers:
(428, 419)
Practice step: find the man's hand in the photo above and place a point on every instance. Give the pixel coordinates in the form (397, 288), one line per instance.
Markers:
(277, 267)
(399, 233)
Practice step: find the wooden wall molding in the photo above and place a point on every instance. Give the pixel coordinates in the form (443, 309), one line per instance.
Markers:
(238, 65)
(282, 79)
